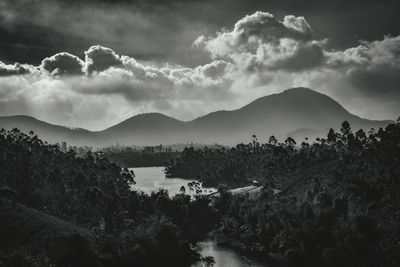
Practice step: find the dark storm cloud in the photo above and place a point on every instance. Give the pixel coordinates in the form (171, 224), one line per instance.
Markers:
(368, 79)
(376, 69)
(100, 58)
(32, 30)
(63, 64)
(373, 68)
(343, 22)
(308, 57)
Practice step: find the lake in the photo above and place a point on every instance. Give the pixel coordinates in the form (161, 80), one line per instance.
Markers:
(150, 179)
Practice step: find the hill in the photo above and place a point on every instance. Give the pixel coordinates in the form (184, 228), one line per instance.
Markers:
(146, 129)
(58, 209)
(298, 111)
(332, 203)
(31, 230)
(48, 132)
(279, 115)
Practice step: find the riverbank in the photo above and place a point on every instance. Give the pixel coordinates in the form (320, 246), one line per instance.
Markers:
(235, 254)
(225, 255)
(153, 178)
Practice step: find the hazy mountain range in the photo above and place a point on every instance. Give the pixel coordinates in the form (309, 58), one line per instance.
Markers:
(296, 112)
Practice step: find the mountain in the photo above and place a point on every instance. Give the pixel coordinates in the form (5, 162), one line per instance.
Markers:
(296, 112)
(46, 131)
(149, 128)
(279, 115)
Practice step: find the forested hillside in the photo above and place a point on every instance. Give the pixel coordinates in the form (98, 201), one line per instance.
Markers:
(144, 157)
(332, 202)
(81, 211)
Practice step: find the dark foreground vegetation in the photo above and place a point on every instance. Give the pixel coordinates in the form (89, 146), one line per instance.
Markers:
(58, 209)
(334, 202)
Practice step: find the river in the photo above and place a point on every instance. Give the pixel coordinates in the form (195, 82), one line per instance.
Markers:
(150, 179)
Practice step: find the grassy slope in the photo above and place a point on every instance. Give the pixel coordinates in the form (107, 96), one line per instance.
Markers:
(23, 228)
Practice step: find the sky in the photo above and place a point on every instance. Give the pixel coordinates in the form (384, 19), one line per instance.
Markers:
(94, 63)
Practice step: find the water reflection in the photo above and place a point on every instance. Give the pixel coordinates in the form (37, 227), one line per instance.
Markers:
(151, 179)
(224, 256)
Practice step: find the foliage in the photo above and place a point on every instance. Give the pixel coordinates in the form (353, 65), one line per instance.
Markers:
(126, 227)
(146, 157)
(334, 202)
(241, 164)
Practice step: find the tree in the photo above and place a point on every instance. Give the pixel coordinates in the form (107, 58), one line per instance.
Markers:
(290, 142)
(346, 129)
(272, 140)
(331, 136)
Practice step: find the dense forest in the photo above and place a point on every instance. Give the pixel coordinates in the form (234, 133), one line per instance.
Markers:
(58, 209)
(147, 156)
(334, 202)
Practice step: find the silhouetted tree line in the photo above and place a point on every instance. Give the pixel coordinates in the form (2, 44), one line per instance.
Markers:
(239, 165)
(148, 156)
(126, 228)
(334, 202)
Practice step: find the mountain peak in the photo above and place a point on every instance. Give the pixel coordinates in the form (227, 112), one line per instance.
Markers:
(299, 100)
(297, 111)
(299, 90)
(153, 116)
(302, 92)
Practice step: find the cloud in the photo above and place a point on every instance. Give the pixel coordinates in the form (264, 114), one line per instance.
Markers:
(213, 70)
(373, 68)
(110, 73)
(100, 58)
(270, 55)
(376, 80)
(107, 88)
(63, 64)
(54, 100)
(15, 69)
(31, 32)
(260, 41)
(260, 55)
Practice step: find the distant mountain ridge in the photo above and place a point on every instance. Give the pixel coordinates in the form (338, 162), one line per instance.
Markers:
(296, 112)
(47, 131)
